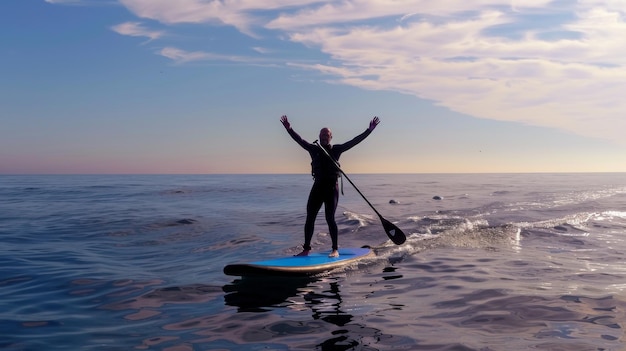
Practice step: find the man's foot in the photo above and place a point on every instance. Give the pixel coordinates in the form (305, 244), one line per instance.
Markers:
(303, 253)
(334, 253)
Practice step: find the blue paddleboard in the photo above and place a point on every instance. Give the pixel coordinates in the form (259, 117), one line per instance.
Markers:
(314, 263)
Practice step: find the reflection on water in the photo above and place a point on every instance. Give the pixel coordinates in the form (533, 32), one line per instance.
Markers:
(268, 312)
(255, 294)
(320, 296)
(430, 303)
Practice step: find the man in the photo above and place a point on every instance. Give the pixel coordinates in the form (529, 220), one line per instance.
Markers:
(325, 189)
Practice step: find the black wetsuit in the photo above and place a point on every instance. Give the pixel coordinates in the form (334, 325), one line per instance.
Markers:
(325, 189)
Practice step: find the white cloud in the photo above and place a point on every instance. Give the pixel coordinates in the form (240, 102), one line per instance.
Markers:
(83, 2)
(136, 29)
(183, 11)
(62, 1)
(573, 85)
(262, 50)
(540, 62)
(340, 12)
(182, 56)
(570, 84)
(241, 14)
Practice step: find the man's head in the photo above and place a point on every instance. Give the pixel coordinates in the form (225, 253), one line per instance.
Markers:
(325, 136)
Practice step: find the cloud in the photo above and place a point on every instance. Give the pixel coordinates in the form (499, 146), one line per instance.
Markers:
(262, 50)
(136, 29)
(557, 64)
(55, 2)
(340, 12)
(83, 2)
(192, 11)
(491, 63)
(181, 56)
(572, 85)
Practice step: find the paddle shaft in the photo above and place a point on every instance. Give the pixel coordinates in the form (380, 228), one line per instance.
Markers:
(393, 232)
(348, 178)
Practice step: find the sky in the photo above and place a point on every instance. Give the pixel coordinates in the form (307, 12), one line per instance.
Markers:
(199, 86)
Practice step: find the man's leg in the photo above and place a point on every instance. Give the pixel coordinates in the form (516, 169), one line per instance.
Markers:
(313, 206)
(331, 201)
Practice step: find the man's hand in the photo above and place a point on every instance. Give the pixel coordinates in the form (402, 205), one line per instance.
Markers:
(285, 122)
(373, 123)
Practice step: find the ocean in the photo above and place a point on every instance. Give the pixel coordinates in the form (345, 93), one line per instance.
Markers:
(134, 262)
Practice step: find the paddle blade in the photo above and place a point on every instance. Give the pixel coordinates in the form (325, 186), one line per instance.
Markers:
(393, 232)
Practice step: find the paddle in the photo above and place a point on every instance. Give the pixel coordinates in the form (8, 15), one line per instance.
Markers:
(393, 232)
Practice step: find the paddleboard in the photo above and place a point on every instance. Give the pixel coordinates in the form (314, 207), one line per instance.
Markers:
(313, 264)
